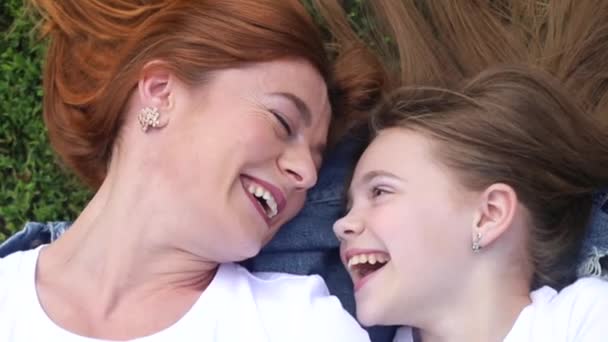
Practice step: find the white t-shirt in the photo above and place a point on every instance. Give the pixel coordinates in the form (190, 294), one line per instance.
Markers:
(237, 306)
(578, 313)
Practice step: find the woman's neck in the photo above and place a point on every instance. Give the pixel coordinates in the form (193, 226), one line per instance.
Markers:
(119, 249)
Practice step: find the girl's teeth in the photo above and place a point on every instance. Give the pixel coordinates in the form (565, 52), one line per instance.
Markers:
(259, 191)
(371, 258)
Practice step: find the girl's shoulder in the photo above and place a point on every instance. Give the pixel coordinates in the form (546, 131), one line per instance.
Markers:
(576, 313)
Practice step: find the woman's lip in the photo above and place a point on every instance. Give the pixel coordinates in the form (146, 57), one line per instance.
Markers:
(257, 205)
(275, 191)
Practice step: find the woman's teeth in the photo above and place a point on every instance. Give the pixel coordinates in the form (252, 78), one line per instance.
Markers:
(266, 197)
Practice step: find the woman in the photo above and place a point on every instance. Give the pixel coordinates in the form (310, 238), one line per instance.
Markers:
(468, 209)
(201, 124)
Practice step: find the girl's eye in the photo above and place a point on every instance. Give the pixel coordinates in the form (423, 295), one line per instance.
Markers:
(283, 122)
(377, 191)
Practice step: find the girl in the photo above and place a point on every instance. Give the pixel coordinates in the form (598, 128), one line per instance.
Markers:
(467, 212)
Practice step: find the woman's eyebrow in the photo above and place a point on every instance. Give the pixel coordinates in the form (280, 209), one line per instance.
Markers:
(303, 109)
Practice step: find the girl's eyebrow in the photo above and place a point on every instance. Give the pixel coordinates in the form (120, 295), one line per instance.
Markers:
(368, 177)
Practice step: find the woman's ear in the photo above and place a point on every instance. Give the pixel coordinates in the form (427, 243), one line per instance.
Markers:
(155, 86)
(495, 214)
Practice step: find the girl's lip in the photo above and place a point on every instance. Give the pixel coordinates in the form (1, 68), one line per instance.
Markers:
(359, 282)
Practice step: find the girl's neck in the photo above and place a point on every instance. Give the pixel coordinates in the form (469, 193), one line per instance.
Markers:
(486, 311)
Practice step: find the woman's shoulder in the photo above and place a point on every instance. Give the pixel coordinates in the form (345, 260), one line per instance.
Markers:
(293, 292)
(12, 264)
(283, 289)
(283, 284)
(13, 270)
(296, 301)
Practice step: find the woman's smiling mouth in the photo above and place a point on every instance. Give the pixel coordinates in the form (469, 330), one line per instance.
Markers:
(268, 199)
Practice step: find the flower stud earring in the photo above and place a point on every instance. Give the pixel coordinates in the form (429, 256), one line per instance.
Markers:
(149, 117)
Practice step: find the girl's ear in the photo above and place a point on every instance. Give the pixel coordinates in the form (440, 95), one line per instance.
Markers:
(495, 214)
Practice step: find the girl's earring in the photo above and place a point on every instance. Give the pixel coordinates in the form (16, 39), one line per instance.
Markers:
(476, 246)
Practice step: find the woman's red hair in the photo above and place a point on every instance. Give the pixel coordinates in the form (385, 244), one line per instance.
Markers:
(97, 49)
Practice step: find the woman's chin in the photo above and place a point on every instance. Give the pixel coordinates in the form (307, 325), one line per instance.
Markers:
(247, 252)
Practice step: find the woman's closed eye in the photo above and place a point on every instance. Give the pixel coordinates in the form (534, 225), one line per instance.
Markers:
(283, 121)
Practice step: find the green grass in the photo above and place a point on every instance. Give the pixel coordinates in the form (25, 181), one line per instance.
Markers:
(32, 185)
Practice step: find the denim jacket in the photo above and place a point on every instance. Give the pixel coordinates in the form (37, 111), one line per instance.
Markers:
(307, 245)
(594, 254)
